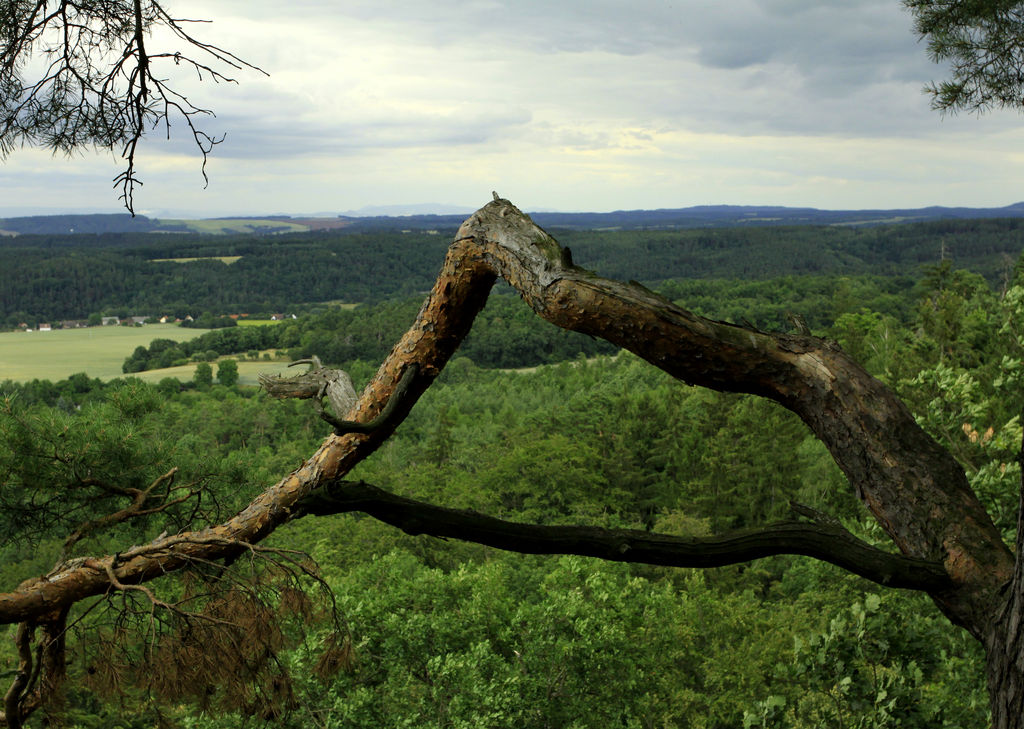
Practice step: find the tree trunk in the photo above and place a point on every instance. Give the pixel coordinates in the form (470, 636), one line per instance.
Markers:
(1005, 673)
(1004, 641)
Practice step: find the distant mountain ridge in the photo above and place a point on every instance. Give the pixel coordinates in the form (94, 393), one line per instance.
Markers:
(699, 216)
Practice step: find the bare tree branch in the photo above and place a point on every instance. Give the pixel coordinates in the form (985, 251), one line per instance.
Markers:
(136, 509)
(100, 85)
(895, 466)
(39, 677)
(12, 699)
(827, 542)
(916, 491)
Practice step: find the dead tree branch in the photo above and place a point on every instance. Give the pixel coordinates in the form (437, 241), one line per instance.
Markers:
(827, 542)
(894, 466)
(40, 673)
(916, 490)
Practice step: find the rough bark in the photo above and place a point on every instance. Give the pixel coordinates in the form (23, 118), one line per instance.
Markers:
(915, 489)
(1004, 641)
(1004, 662)
(459, 294)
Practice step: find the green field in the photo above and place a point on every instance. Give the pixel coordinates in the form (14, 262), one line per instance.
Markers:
(223, 226)
(97, 351)
(339, 304)
(257, 322)
(247, 372)
(223, 259)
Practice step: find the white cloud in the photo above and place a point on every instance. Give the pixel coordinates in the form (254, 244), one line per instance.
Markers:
(580, 104)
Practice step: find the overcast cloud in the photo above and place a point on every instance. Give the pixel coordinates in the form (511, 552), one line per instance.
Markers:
(571, 105)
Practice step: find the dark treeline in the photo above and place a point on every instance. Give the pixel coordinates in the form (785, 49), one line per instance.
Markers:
(507, 334)
(699, 216)
(64, 277)
(91, 224)
(51, 282)
(988, 247)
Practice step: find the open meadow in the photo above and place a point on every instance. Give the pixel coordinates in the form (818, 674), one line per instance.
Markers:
(100, 352)
(227, 226)
(247, 371)
(96, 351)
(223, 259)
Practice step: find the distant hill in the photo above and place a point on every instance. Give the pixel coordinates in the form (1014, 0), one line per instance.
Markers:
(70, 276)
(702, 216)
(84, 224)
(717, 216)
(377, 211)
(100, 224)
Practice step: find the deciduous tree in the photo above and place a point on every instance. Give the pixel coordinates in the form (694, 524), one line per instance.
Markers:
(227, 372)
(203, 376)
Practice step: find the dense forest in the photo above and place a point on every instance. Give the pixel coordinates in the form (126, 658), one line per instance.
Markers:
(468, 636)
(51, 278)
(508, 334)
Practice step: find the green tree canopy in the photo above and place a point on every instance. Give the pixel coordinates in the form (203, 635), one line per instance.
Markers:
(203, 376)
(227, 372)
(983, 43)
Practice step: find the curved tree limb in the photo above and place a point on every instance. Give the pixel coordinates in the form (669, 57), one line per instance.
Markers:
(1005, 640)
(827, 542)
(443, 322)
(916, 490)
(38, 677)
(13, 715)
(913, 487)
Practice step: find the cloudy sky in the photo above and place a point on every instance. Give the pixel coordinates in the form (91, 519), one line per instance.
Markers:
(562, 105)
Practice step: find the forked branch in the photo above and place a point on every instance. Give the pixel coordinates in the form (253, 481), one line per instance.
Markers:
(915, 489)
(143, 503)
(40, 673)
